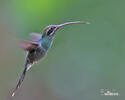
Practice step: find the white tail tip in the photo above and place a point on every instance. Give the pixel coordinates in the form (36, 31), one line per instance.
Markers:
(13, 94)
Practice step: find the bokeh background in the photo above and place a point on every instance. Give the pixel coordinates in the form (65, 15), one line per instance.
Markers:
(83, 59)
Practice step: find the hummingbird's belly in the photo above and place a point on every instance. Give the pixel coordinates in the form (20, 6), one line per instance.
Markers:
(35, 55)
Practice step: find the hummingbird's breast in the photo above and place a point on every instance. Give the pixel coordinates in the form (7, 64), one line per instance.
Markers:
(35, 55)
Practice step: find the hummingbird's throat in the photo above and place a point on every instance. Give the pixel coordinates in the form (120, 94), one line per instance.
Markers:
(46, 42)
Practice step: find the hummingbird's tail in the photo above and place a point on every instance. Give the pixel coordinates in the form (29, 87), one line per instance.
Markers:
(21, 79)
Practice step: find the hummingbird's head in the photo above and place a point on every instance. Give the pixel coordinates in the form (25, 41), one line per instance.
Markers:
(50, 30)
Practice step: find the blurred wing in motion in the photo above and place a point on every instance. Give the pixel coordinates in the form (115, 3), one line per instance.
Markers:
(27, 45)
(35, 37)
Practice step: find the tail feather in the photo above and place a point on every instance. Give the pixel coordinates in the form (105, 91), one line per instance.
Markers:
(20, 81)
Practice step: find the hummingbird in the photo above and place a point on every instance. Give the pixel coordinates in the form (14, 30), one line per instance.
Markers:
(38, 47)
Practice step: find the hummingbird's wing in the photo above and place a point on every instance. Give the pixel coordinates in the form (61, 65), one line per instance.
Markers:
(35, 37)
(28, 45)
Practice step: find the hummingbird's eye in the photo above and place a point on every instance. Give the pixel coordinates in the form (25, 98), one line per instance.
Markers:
(50, 30)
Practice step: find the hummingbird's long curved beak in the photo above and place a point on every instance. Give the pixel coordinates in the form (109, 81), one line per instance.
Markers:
(68, 23)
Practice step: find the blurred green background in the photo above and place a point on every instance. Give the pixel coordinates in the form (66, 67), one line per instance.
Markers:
(83, 59)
